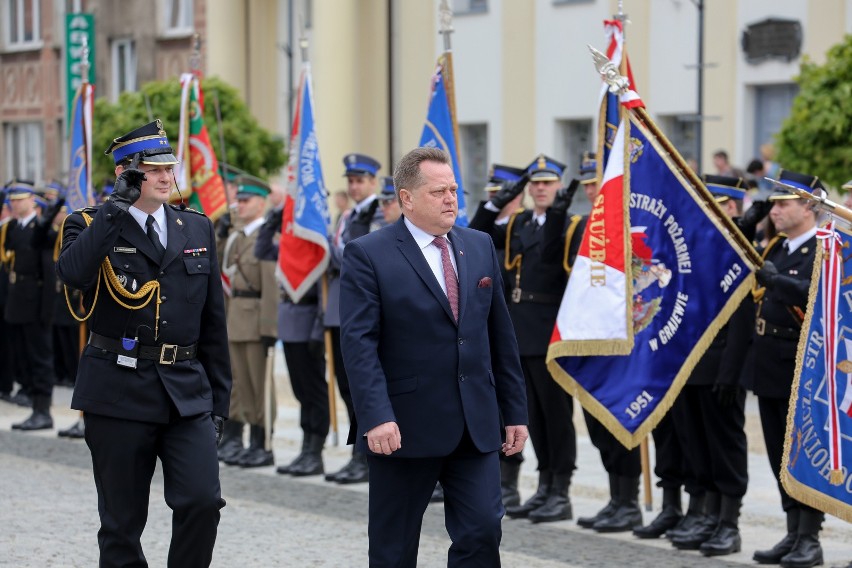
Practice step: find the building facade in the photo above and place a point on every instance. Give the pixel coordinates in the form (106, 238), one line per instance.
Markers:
(524, 80)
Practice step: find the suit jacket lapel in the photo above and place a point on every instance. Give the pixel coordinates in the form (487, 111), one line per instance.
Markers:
(177, 238)
(412, 253)
(461, 265)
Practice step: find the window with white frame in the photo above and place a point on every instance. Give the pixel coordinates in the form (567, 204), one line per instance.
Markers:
(20, 21)
(474, 162)
(24, 144)
(177, 17)
(123, 66)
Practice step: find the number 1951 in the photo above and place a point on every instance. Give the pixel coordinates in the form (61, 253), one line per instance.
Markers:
(638, 405)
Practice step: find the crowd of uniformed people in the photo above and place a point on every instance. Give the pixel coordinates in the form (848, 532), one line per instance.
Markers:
(701, 446)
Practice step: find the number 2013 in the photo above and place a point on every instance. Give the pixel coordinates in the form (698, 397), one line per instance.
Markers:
(638, 405)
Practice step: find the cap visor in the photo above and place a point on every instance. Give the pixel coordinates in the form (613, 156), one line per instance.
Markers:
(544, 176)
(160, 159)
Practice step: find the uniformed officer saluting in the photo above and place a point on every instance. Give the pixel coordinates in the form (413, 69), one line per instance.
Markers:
(785, 277)
(156, 367)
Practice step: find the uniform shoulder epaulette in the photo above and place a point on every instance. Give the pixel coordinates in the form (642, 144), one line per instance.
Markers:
(88, 209)
(187, 209)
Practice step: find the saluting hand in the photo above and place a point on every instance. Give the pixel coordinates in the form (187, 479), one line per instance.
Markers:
(128, 188)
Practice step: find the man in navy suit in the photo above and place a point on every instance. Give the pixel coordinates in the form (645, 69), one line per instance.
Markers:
(433, 362)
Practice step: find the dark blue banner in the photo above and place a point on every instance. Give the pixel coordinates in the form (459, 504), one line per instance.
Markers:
(688, 276)
(806, 471)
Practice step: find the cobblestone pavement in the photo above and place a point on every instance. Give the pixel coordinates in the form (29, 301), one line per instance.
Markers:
(49, 518)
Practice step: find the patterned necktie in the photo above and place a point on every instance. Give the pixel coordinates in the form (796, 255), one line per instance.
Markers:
(449, 276)
(155, 238)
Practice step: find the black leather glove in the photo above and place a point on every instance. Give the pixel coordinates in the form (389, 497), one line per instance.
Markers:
(273, 220)
(52, 211)
(223, 226)
(766, 274)
(726, 394)
(268, 341)
(755, 214)
(564, 197)
(128, 188)
(505, 196)
(219, 425)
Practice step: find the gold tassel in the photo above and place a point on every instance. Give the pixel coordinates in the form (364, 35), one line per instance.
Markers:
(835, 477)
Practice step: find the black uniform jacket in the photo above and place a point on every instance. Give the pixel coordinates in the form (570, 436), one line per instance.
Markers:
(191, 312)
(31, 289)
(543, 276)
(775, 356)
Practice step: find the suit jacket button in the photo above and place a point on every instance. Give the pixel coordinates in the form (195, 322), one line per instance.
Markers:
(461, 378)
(109, 215)
(162, 273)
(461, 341)
(126, 266)
(165, 323)
(162, 298)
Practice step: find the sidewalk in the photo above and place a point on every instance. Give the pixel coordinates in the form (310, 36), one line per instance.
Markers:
(762, 522)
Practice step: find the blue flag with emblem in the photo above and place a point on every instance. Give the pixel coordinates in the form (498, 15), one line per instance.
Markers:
(819, 424)
(440, 130)
(303, 247)
(681, 297)
(79, 193)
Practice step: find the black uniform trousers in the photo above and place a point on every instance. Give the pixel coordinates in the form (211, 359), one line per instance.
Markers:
(7, 358)
(717, 452)
(306, 366)
(343, 382)
(124, 454)
(773, 417)
(35, 351)
(400, 489)
(616, 459)
(66, 352)
(669, 451)
(551, 417)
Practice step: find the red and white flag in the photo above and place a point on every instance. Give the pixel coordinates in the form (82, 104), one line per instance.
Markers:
(599, 287)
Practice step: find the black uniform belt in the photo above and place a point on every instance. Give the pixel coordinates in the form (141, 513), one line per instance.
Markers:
(519, 295)
(245, 294)
(763, 327)
(163, 353)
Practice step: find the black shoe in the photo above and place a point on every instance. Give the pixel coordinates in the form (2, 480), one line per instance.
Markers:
(358, 473)
(310, 465)
(625, 518)
(288, 468)
(668, 518)
(694, 539)
(38, 420)
(437, 494)
(232, 441)
(806, 553)
(556, 508)
(343, 471)
(687, 524)
(537, 500)
(726, 540)
(607, 511)
(777, 552)
(22, 399)
(236, 458)
(64, 382)
(257, 457)
(509, 473)
(76, 430)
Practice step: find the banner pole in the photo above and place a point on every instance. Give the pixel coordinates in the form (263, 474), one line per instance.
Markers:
(329, 366)
(646, 474)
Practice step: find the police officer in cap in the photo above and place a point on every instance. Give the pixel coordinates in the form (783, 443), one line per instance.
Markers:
(388, 201)
(538, 278)
(365, 216)
(155, 379)
(27, 258)
(782, 296)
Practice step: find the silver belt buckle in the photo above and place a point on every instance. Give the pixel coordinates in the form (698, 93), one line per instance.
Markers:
(760, 326)
(516, 295)
(164, 352)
